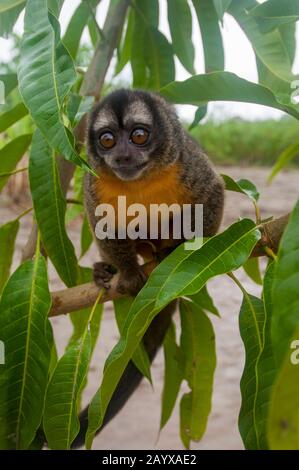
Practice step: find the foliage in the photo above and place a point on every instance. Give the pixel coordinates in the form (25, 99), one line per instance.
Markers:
(241, 142)
(41, 393)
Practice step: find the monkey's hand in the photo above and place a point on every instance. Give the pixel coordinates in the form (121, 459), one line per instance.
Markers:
(102, 274)
(129, 282)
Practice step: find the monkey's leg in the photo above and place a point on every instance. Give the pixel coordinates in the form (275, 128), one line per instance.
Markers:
(131, 377)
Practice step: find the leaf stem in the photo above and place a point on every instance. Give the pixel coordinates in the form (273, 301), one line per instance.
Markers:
(74, 201)
(24, 213)
(270, 253)
(257, 213)
(237, 282)
(5, 175)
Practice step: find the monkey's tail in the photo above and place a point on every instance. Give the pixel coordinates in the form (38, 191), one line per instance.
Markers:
(131, 377)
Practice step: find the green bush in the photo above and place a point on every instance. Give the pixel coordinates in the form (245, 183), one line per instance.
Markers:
(238, 141)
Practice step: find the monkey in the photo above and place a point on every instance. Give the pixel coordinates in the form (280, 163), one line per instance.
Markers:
(138, 148)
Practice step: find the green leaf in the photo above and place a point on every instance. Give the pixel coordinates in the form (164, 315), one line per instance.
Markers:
(73, 210)
(242, 186)
(198, 347)
(46, 75)
(6, 5)
(222, 253)
(211, 35)
(187, 271)
(259, 369)
(276, 9)
(221, 7)
(203, 300)
(9, 13)
(76, 26)
(285, 289)
(152, 59)
(49, 205)
(126, 47)
(78, 106)
(86, 237)
(8, 233)
(79, 321)
(93, 31)
(26, 333)
(137, 62)
(55, 6)
(144, 19)
(10, 81)
(284, 159)
(283, 419)
(11, 154)
(180, 25)
(140, 357)
(271, 81)
(288, 34)
(61, 422)
(148, 11)
(225, 86)
(199, 115)
(173, 374)
(266, 25)
(159, 59)
(185, 418)
(9, 117)
(252, 269)
(269, 47)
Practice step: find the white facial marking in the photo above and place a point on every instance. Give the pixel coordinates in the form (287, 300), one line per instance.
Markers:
(105, 118)
(139, 112)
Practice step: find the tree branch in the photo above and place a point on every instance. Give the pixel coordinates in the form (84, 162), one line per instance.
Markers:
(96, 73)
(271, 235)
(85, 295)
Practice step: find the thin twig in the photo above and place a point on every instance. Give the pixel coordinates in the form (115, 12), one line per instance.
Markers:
(11, 173)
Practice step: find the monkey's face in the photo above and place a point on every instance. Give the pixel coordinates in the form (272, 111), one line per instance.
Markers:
(125, 151)
(126, 135)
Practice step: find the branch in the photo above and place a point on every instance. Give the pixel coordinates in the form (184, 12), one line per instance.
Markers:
(271, 235)
(96, 73)
(85, 295)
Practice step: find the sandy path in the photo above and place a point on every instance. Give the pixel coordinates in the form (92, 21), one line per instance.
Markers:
(137, 425)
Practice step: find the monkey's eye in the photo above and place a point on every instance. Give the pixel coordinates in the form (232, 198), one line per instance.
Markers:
(139, 136)
(107, 140)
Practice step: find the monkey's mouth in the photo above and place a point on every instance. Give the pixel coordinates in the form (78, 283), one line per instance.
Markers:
(129, 171)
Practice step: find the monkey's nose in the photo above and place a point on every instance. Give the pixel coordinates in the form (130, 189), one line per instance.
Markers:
(124, 160)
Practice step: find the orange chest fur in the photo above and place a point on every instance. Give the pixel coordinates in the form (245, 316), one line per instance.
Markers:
(164, 187)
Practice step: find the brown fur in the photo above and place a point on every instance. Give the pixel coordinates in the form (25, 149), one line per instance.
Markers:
(177, 172)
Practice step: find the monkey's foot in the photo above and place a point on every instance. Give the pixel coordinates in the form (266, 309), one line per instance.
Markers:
(102, 274)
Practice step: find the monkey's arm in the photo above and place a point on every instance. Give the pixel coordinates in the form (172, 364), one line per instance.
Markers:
(122, 255)
(118, 253)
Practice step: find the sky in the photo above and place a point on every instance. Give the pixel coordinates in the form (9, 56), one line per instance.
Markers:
(239, 59)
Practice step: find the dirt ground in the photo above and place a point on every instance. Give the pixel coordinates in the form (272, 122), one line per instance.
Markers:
(136, 426)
